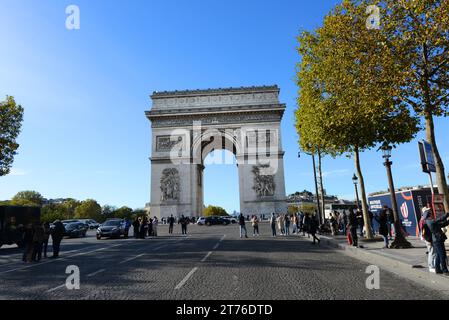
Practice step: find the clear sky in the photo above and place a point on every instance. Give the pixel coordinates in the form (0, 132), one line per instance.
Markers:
(85, 91)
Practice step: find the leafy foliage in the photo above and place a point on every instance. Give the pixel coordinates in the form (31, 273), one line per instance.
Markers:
(27, 198)
(214, 211)
(11, 117)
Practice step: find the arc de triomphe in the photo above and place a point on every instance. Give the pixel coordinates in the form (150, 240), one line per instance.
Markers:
(188, 125)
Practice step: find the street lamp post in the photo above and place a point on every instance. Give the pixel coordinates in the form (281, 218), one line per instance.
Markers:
(355, 180)
(316, 184)
(399, 242)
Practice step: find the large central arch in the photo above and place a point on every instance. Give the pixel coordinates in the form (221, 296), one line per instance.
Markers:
(188, 125)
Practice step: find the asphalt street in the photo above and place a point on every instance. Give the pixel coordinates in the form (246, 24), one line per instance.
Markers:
(208, 263)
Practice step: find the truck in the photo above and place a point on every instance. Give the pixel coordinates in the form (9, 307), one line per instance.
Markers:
(410, 203)
(13, 219)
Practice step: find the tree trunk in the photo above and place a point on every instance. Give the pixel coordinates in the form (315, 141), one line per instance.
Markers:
(368, 230)
(321, 186)
(441, 175)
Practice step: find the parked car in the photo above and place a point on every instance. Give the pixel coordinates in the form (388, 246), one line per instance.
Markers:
(75, 229)
(91, 223)
(201, 221)
(233, 220)
(210, 221)
(112, 228)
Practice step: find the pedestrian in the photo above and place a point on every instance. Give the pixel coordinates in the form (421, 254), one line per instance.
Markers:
(438, 239)
(183, 221)
(390, 221)
(242, 226)
(360, 222)
(155, 224)
(352, 227)
(345, 222)
(136, 224)
(127, 223)
(38, 239)
(150, 230)
(255, 224)
(301, 223)
(287, 224)
(27, 239)
(143, 227)
(426, 236)
(279, 224)
(313, 229)
(47, 232)
(382, 220)
(171, 222)
(294, 223)
(306, 225)
(56, 236)
(334, 224)
(273, 224)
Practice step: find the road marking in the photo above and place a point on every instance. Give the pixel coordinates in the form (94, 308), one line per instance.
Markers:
(96, 272)
(222, 238)
(57, 288)
(207, 256)
(187, 277)
(216, 246)
(133, 258)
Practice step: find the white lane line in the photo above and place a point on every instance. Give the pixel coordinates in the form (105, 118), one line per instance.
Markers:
(133, 258)
(95, 273)
(187, 277)
(57, 288)
(216, 246)
(222, 238)
(207, 256)
(55, 260)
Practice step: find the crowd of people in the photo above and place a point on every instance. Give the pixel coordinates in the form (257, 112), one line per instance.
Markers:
(35, 239)
(144, 226)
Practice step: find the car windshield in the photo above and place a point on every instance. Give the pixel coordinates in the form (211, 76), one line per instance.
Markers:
(112, 223)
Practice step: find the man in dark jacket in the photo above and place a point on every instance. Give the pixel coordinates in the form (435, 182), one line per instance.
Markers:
(438, 239)
(171, 222)
(242, 226)
(57, 235)
(383, 226)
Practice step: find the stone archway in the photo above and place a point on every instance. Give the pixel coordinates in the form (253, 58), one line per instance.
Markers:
(188, 125)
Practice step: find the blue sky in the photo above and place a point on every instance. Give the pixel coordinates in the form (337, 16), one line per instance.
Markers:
(85, 91)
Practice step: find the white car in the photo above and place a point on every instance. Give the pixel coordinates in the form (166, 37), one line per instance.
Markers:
(201, 221)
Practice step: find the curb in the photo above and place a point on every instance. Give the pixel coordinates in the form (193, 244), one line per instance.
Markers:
(399, 268)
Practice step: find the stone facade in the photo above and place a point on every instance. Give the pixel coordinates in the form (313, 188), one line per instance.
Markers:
(188, 125)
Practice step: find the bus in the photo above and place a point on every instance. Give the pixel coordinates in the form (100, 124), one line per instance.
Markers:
(12, 221)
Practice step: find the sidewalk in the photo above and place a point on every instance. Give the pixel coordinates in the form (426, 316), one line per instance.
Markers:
(408, 263)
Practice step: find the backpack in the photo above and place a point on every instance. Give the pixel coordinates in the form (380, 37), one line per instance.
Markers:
(426, 233)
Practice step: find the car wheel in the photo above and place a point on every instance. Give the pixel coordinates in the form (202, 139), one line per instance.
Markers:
(98, 237)
(208, 224)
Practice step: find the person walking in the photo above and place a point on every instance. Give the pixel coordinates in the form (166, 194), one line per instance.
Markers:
(127, 223)
(306, 225)
(287, 224)
(27, 239)
(301, 223)
(352, 226)
(360, 222)
(183, 221)
(273, 225)
(155, 224)
(382, 220)
(255, 223)
(294, 223)
(242, 226)
(313, 229)
(38, 239)
(171, 222)
(47, 232)
(56, 236)
(426, 236)
(136, 224)
(143, 227)
(438, 239)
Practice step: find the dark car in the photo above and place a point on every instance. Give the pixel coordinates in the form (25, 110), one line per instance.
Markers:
(211, 221)
(75, 229)
(112, 228)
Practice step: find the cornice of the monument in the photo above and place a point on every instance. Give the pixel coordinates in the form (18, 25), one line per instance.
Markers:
(201, 92)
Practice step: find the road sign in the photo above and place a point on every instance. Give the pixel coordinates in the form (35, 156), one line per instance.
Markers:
(426, 155)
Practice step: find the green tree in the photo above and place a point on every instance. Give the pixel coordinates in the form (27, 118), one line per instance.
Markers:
(214, 211)
(28, 198)
(89, 209)
(349, 90)
(417, 34)
(52, 212)
(123, 212)
(11, 117)
(108, 211)
(69, 206)
(292, 209)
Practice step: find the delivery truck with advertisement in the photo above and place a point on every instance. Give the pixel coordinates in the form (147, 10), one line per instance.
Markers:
(410, 204)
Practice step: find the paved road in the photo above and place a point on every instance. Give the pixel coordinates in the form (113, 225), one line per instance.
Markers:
(210, 263)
